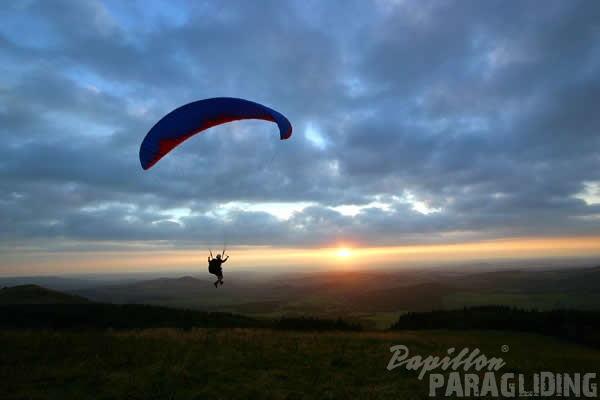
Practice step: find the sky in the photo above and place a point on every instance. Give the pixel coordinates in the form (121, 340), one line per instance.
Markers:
(443, 129)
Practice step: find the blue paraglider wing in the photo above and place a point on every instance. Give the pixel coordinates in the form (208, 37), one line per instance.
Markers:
(190, 119)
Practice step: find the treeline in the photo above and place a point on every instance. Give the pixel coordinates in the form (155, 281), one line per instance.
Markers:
(139, 316)
(115, 316)
(581, 327)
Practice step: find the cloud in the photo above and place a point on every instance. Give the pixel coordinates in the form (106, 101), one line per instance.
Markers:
(472, 110)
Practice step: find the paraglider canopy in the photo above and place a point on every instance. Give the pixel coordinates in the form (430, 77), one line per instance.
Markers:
(190, 119)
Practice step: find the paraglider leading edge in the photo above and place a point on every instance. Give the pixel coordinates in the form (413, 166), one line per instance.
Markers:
(192, 118)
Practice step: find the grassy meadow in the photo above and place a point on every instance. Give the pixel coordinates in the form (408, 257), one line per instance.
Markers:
(252, 363)
(151, 340)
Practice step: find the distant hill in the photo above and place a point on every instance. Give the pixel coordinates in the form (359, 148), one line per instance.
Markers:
(340, 293)
(375, 298)
(63, 283)
(187, 292)
(32, 306)
(420, 297)
(576, 280)
(34, 294)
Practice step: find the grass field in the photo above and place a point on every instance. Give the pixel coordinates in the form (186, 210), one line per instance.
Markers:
(251, 363)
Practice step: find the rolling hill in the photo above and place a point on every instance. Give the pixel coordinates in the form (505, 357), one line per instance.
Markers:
(34, 294)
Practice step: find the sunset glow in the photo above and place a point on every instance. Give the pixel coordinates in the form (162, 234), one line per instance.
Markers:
(344, 253)
(28, 261)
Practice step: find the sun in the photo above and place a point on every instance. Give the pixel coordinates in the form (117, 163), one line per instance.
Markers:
(344, 253)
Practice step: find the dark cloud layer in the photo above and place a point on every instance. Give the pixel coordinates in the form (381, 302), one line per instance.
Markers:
(430, 118)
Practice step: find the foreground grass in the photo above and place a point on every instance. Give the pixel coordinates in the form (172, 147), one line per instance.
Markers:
(251, 363)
